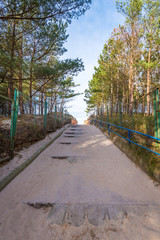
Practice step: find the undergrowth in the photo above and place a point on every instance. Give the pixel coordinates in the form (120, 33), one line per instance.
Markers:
(147, 160)
(29, 130)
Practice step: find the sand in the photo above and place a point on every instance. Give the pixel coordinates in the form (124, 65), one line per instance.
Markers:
(95, 174)
(21, 156)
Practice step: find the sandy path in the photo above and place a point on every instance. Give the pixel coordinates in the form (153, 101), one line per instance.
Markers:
(95, 178)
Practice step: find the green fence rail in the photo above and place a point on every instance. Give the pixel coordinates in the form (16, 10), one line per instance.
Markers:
(33, 108)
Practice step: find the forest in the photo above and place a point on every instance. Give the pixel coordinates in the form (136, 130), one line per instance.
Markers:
(32, 37)
(128, 67)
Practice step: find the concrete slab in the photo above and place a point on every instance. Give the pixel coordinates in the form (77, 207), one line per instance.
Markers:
(76, 214)
(116, 212)
(58, 213)
(96, 214)
(139, 210)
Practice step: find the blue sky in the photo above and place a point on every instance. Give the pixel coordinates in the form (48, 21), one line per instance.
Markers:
(87, 36)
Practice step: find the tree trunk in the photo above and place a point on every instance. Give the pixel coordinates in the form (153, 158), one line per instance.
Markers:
(55, 97)
(45, 94)
(10, 83)
(143, 100)
(98, 113)
(51, 108)
(111, 100)
(131, 79)
(42, 101)
(148, 82)
(127, 102)
(30, 92)
(103, 106)
(61, 106)
(136, 91)
(31, 78)
(20, 75)
(117, 93)
(124, 99)
(39, 104)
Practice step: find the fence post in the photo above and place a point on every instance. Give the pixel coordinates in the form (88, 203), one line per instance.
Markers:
(108, 129)
(158, 111)
(45, 117)
(14, 116)
(129, 135)
(16, 103)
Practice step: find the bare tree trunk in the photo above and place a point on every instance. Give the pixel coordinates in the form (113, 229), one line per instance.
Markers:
(117, 93)
(103, 104)
(98, 112)
(136, 91)
(10, 83)
(55, 98)
(61, 106)
(51, 103)
(45, 94)
(30, 92)
(31, 78)
(128, 99)
(20, 76)
(51, 109)
(42, 101)
(143, 100)
(148, 82)
(124, 99)
(131, 79)
(111, 100)
(39, 104)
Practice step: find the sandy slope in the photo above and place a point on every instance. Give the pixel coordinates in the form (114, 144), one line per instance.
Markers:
(21, 156)
(95, 173)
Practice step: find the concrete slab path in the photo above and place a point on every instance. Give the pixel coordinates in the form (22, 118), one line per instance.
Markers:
(81, 187)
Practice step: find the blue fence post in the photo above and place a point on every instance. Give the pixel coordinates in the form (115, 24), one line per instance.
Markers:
(108, 129)
(129, 135)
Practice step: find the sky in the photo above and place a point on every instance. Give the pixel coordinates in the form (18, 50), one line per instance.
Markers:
(87, 36)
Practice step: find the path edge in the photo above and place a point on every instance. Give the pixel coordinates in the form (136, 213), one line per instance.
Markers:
(8, 178)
